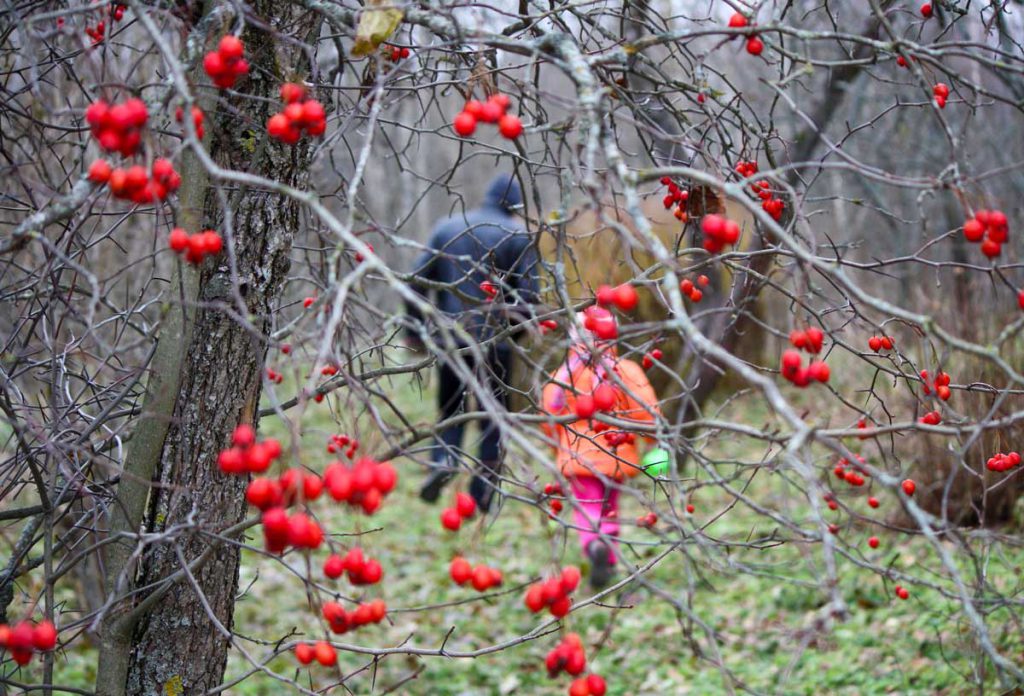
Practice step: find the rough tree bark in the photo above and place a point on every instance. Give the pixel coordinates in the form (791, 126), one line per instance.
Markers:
(177, 646)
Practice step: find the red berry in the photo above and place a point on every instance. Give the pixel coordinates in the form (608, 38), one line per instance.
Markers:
(44, 636)
(491, 112)
(324, 653)
(464, 124)
(230, 48)
(901, 592)
(99, 171)
(510, 126)
(304, 653)
(737, 21)
(755, 46)
(909, 486)
(873, 542)
(481, 578)
(626, 297)
(926, 10)
(465, 505)
(585, 407)
(597, 685)
(334, 566)
(451, 519)
(534, 598)
(873, 502)
(460, 570)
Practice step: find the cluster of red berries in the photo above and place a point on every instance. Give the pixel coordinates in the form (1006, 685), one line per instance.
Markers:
(323, 652)
(553, 593)
(991, 228)
(602, 400)
(651, 356)
(567, 656)
(97, 32)
(590, 685)
(134, 184)
(494, 110)
(481, 577)
(547, 325)
(854, 475)
(554, 504)
(118, 128)
(341, 621)
(272, 374)
(394, 53)
(810, 340)
(763, 190)
(719, 231)
(365, 484)
(298, 530)
(300, 115)
(196, 248)
(931, 418)
(25, 638)
(340, 442)
(226, 64)
(795, 372)
(940, 383)
(675, 197)
(197, 119)
(622, 296)
(361, 570)
(294, 484)
(600, 322)
(941, 93)
(614, 438)
(754, 45)
(464, 509)
(688, 288)
(647, 521)
(901, 592)
(246, 455)
(880, 343)
(1003, 462)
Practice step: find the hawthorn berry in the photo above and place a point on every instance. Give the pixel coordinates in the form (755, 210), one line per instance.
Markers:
(755, 46)
(510, 126)
(926, 10)
(873, 542)
(737, 21)
(304, 653)
(909, 486)
(451, 519)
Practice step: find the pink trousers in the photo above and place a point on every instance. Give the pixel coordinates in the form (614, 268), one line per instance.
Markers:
(597, 511)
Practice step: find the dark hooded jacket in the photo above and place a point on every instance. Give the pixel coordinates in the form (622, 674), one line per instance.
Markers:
(484, 244)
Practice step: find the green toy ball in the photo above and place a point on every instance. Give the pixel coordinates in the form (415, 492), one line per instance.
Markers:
(656, 462)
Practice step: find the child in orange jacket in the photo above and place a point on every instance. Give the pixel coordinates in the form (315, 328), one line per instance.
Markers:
(591, 453)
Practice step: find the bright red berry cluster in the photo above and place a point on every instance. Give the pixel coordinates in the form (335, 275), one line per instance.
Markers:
(793, 370)
(590, 685)
(394, 53)
(134, 183)
(464, 509)
(688, 288)
(118, 128)
(623, 296)
(247, 455)
(293, 485)
(494, 110)
(547, 325)
(567, 656)
(196, 247)
(880, 343)
(754, 45)
(340, 442)
(481, 577)
(603, 399)
(341, 621)
(553, 593)
(853, 474)
(365, 484)
(273, 375)
(719, 231)
(651, 357)
(763, 190)
(301, 115)
(226, 64)
(940, 384)
(298, 530)
(810, 340)
(97, 33)
(197, 119)
(1003, 462)
(554, 504)
(991, 228)
(941, 93)
(675, 197)
(901, 592)
(647, 521)
(323, 652)
(26, 638)
(361, 570)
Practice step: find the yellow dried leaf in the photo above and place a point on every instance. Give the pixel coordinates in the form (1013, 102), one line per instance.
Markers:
(376, 24)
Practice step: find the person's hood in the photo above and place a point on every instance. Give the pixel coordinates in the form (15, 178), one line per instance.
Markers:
(503, 192)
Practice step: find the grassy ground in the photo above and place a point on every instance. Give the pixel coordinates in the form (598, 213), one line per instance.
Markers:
(763, 618)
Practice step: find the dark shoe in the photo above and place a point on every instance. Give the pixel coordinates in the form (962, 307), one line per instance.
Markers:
(436, 480)
(601, 569)
(486, 480)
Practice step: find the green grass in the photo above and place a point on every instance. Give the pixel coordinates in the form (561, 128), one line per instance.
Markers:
(765, 621)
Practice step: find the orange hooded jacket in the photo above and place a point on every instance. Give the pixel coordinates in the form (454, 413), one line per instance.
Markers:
(582, 450)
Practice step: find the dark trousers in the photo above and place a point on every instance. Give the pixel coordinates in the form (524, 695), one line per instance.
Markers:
(453, 395)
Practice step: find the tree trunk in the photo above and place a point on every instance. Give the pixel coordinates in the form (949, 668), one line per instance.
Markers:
(178, 644)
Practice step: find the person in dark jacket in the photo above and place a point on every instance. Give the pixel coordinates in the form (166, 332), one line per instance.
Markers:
(480, 271)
